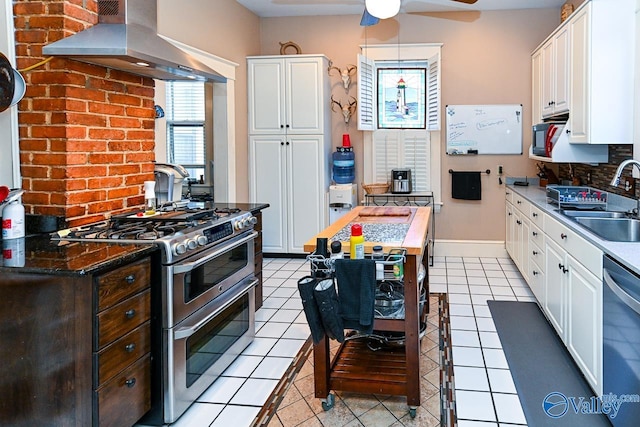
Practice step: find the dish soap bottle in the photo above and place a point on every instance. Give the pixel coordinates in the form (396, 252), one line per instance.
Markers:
(149, 197)
(356, 243)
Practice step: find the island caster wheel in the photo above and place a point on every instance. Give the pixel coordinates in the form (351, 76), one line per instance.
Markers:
(412, 412)
(328, 402)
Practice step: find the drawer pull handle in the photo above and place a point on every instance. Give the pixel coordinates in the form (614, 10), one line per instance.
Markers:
(130, 347)
(130, 279)
(130, 382)
(563, 236)
(130, 313)
(561, 267)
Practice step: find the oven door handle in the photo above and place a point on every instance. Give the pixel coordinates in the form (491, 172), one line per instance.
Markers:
(627, 299)
(186, 332)
(188, 266)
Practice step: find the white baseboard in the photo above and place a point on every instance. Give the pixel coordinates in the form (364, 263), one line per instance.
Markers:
(470, 248)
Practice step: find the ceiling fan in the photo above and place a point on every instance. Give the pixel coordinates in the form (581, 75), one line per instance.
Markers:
(375, 10)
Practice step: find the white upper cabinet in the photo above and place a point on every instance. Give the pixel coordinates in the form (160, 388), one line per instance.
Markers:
(555, 74)
(285, 97)
(597, 92)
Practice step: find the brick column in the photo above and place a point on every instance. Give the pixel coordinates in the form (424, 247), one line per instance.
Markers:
(86, 131)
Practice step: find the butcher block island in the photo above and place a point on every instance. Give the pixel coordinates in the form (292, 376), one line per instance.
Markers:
(392, 370)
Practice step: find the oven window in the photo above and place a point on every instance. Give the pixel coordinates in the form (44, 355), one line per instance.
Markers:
(214, 272)
(207, 345)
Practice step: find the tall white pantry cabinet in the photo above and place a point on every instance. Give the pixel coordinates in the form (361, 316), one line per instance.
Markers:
(289, 147)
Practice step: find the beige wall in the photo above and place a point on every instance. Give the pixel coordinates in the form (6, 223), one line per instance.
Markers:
(486, 60)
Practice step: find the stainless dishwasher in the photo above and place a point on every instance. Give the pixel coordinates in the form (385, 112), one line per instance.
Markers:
(621, 339)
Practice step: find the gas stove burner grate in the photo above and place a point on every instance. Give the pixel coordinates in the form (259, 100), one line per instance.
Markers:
(226, 211)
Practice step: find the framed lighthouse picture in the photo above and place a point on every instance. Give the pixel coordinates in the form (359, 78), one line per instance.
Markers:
(402, 98)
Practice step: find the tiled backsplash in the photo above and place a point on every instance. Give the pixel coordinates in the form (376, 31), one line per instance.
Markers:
(601, 175)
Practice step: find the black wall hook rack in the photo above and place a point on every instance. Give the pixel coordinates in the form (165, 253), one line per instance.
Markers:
(488, 171)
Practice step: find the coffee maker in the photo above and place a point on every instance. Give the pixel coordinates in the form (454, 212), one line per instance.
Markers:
(401, 181)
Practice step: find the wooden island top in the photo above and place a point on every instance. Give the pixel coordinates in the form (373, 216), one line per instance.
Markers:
(412, 224)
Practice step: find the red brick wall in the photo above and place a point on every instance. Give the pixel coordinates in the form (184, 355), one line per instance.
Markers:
(86, 132)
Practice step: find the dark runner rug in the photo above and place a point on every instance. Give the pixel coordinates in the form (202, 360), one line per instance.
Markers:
(550, 386)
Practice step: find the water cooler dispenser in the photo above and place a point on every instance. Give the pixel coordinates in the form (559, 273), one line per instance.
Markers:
(342, 198)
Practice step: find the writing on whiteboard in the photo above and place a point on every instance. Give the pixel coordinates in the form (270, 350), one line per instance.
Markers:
(487, 124)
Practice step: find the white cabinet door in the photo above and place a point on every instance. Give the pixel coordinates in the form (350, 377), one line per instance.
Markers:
(268, 177)
(524, 255)
(578, 124)
(536, 94)
(555, 74)
(266, 98)
(304, 95)
(509, 230)
(306, 188)
(584, 321)
(554, 293)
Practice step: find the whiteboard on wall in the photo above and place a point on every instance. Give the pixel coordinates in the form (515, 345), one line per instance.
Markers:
(484, 129)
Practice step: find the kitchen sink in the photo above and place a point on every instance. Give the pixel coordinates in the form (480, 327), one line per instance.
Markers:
(613, 229)
(592, 214)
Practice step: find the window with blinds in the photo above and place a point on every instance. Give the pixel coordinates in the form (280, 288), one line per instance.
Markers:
(186, 126)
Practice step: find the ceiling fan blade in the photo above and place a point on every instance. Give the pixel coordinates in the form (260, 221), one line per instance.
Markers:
(368, 19)
(466, 1)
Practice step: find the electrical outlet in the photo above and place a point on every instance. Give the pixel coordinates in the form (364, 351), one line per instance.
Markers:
(499, 170)
(630, 186)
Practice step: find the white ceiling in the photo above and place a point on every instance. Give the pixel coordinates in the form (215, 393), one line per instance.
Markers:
(273, 8)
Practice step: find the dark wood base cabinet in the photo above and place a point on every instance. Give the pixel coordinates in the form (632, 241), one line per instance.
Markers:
(75, 349)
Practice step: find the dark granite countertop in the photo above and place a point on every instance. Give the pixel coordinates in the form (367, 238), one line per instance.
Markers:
(45, 256)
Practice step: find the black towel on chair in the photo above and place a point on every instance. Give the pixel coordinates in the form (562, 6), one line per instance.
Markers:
(356, 291)
(466, 185)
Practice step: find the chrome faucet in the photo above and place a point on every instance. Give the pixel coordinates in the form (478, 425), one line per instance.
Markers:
(616, 178)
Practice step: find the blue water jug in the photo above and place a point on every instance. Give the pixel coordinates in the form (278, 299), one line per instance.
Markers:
(344, 165)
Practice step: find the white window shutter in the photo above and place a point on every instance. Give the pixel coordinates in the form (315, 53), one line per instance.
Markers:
(416, 145)
(386, 145)
(366, 93)
(433, 93)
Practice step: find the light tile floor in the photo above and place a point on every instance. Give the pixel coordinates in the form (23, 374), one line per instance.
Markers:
(485, 393)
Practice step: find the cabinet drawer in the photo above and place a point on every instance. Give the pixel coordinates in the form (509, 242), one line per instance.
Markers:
(580, 249)
(520, 203)
(536, 255)
(536, 236)
(508, 195)
(536, 216)
(122, 353)
(119, 284)
(122, 318)
(127, 397)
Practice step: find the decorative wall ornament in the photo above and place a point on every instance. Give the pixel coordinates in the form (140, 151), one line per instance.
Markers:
(345, 73)
(347, 110)
(285, 46)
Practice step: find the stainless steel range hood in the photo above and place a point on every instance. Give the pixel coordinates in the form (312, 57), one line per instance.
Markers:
(126, 38)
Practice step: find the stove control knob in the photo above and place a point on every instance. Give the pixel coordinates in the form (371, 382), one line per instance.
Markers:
(253, 220)
(238, 225)
(179, 248)
(192, 244)
(202, 240)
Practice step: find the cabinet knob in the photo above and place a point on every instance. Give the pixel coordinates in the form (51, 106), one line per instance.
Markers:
(563, 236)
(519, 202)
(281, 142)
(564, 270)
(568, 131)
(130, 313)
(535, 233)
(507, 193)
(535, 273)
(509, 213)
(281, 126)
(130, 279)
(287, 142)
(287, 126)
(519, 222)
(130, 347)
(534, 214)
(130, 382)
(535, 252)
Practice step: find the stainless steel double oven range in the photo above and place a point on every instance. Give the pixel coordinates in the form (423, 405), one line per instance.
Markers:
(205, 304)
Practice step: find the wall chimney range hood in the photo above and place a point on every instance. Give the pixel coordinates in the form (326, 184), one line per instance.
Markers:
(126, 38)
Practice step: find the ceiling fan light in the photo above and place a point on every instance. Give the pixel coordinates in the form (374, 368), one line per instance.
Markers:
(383, 9)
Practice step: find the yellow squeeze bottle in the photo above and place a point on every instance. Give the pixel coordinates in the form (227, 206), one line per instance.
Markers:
(356, 243)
